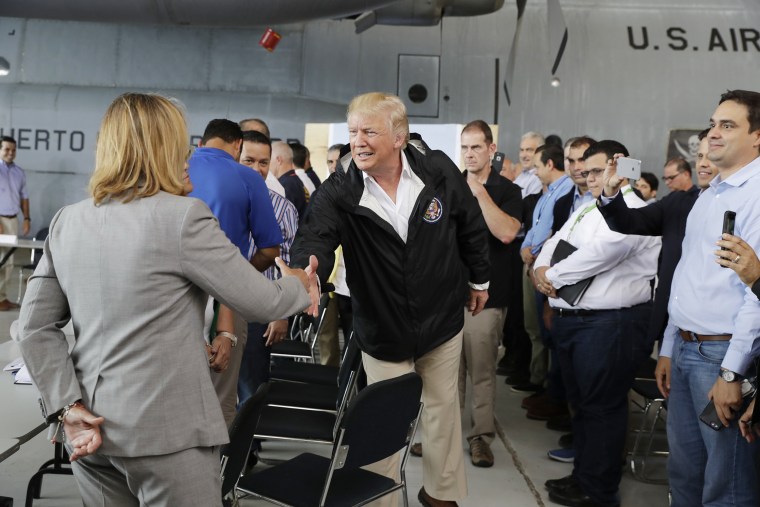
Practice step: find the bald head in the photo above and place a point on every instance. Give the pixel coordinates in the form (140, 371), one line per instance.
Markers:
(282, 158)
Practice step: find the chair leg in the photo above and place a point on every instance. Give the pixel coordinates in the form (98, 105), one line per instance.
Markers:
(21, 291)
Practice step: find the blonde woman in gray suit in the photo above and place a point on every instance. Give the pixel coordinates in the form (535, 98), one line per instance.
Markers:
(132, 268)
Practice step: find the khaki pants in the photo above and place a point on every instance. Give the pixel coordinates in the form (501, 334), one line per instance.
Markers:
(480, 345)
(329, 348)
(225, 383)
(10, 226)
(442, 460)
(539, 358)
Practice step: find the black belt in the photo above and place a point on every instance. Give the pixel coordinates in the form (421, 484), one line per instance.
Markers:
(9, 216)
(562, 312)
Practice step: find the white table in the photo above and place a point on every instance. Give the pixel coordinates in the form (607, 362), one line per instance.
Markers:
(15, 244)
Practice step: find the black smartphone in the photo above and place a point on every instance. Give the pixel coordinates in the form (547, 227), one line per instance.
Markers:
(498, 161)
(709, 416)
(729, 221)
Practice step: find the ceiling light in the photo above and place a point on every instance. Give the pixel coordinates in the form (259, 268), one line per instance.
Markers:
(5, 67)
(555, 82)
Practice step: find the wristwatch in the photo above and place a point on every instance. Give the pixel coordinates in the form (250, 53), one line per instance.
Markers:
(729, 376)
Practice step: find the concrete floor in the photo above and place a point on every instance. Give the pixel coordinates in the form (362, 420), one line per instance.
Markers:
(516, 479)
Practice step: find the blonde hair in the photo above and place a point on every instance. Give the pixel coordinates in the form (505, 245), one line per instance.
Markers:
(378, 103)
(142, 148)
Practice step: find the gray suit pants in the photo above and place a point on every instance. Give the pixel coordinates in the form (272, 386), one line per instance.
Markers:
(189, 477)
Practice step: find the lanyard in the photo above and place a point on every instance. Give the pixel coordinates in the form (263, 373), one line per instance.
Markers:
(589, 209)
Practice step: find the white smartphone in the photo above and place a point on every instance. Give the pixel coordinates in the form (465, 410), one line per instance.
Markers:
(629, 168)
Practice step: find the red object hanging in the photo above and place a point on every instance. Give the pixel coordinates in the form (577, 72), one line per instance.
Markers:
(270, 39)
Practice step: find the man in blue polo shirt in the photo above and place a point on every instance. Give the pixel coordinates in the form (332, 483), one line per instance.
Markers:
(239, 199)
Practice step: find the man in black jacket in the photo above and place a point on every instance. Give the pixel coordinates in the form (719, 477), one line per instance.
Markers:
(413, 237)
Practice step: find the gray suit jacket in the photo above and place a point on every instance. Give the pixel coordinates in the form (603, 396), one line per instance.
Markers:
(133, 279)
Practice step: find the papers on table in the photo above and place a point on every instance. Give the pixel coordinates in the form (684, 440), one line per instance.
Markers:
(9, 238)
(19, 370)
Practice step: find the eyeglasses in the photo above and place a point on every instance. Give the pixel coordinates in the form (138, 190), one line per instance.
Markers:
(671, 178)
(595, 172)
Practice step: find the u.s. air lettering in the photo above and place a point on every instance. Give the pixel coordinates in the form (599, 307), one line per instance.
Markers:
(676, 38)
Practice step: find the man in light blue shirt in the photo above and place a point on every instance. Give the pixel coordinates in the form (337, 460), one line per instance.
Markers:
(550, 167)
(13, 198)
(714, 323)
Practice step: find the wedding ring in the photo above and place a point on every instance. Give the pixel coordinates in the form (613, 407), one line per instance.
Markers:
(736, 261)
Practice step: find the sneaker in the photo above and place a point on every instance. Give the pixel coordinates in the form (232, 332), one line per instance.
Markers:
(526, 388)
(566, 441)
(563, 455)
(480, 453)
(416, 449)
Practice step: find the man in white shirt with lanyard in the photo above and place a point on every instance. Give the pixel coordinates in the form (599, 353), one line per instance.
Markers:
(602, 340)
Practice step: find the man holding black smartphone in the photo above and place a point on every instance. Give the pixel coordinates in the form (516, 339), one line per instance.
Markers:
(713, 327)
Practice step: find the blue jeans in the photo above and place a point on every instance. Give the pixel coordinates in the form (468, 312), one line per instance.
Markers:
(254, 369)
(705, 467)
(598, 356)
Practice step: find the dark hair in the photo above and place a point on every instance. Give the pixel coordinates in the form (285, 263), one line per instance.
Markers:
(582, 141)
(7, 139)
(750, 100)
(260, 122)
(608, 147)
(703, 134)
(226, 130)
(300, 154)
(682, 165)
(254, 136)
(336, 147)
(651, 180)
(482, 127)
(552, 152)
(553, 139)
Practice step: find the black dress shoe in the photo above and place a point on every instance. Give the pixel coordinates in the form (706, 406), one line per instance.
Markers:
(566, 441)
(562, 483)
(573, 496)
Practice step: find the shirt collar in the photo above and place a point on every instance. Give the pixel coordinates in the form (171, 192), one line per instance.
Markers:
(557, 182)
(739, 177)
(205, 151)
(406, 171)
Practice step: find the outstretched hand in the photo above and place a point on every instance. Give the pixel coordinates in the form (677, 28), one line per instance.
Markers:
(82, 430)
(308, 278)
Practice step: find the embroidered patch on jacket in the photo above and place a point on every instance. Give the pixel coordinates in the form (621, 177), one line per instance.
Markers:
(434, 211)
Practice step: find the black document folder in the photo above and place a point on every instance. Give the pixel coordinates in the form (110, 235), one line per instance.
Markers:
(571, 294)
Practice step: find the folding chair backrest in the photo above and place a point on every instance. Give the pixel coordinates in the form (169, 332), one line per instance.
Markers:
(380, 419)
(235, 454)
(41, 235)
(351, 363)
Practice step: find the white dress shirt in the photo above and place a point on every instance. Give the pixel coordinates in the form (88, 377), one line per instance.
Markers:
(301, 173)
(623, 265)
(274, 184)
(395, 213)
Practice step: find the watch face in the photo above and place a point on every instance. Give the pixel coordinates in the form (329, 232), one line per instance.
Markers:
(728, 375)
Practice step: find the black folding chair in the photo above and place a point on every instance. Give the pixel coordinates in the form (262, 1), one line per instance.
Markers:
(235, 454)
(380, 422)
(318, 426)
(303, 335)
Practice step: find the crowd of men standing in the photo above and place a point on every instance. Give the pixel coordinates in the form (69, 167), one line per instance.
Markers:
(527, 238)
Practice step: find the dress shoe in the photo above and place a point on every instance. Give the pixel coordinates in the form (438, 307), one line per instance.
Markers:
(6, 305)
(526, 388)
(560, 423)
(416, 449)
(566, 441)
(480, 453)
(535, 398)
(428, 501)
(572, 496)
(545, 411)
(513, 380)
(562, 483)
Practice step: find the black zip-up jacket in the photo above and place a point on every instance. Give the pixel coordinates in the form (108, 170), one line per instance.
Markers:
(408, 298)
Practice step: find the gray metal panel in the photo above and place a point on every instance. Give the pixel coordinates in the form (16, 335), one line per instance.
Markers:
(165, 57)
(60, 52)
(418, 77)
(238, 63)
